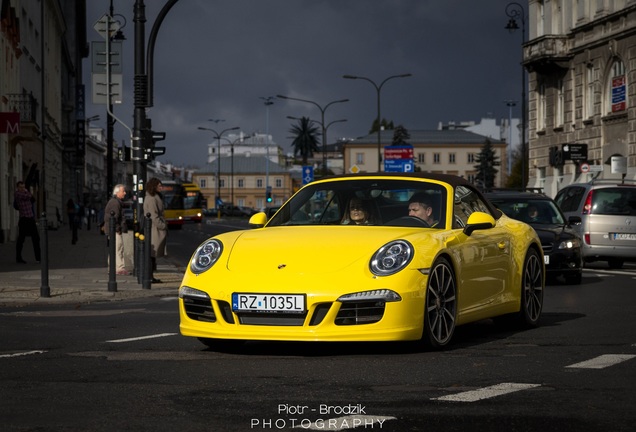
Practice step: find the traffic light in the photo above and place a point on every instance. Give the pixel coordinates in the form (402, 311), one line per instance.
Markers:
(268, 194)
(151, 138)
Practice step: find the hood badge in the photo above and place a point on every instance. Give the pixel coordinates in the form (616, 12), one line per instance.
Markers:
(281, 266)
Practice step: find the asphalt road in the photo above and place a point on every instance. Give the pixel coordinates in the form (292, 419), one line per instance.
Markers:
(123, 366)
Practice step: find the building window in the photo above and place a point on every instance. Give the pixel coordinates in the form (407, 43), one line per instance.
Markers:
(617, 98)
(436, 158)
(588, 105)
(470, 158)
(259, 183)
(203, 183)
(559, 103)
(541, 107)
(421, 158)
(241, 183)
(221, 182)
(279, 183)
(451, 158)
(360, 158)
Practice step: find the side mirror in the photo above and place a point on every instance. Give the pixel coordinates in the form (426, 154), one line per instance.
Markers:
(258, 220)
(574, 220)
(479, 221)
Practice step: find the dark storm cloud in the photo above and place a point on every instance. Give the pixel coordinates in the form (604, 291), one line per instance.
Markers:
(215, 59)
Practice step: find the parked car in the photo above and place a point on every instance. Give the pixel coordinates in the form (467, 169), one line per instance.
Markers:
(300, 278)
(232, 210)
(559, 239)
(607, 209)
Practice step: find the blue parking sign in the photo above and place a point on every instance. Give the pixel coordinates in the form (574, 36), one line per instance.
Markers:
(308, 174)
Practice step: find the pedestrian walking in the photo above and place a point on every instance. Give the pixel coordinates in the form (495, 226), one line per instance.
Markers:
(72, 215)
(116, 205)
(153, 204)
(23, 202)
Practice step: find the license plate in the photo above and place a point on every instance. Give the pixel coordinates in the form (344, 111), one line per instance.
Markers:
(546, 259)
(246, 302)
(624, 236)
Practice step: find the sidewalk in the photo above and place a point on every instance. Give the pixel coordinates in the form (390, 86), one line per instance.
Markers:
(77, 273)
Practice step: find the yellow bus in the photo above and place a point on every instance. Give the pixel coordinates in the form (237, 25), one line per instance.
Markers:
(182, 202)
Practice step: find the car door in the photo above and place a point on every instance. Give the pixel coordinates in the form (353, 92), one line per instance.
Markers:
(484, 256)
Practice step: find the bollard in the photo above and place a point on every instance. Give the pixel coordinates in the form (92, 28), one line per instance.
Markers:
(147, 266)
(139, 265)
(135, 258)
(112, 241)
(45, 290)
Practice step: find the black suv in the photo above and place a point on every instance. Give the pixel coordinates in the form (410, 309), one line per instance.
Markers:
(560, 241)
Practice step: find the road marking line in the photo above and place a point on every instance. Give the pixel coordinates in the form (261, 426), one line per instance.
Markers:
(346, 422)
(21, 354)
(487, 392)
(141, 338)
(603, 361)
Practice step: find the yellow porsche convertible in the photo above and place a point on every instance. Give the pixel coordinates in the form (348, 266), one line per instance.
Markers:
(373, 257)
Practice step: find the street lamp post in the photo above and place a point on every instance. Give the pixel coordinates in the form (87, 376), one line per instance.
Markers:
(322, 123)
(268, 102)
(218, 166)
(378, 89)
(510, 104)
(515, 11)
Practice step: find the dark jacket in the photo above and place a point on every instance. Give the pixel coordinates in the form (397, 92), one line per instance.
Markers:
(115, 205)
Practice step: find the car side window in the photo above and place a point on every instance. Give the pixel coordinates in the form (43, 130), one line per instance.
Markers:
(466, 202)
(569, 199)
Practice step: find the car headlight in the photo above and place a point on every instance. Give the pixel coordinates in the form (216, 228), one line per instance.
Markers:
(569, 244)
(205, 256)
(186, 291)
(391, 258)
(381, 294)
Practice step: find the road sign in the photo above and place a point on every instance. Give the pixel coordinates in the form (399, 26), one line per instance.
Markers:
(104, 29)
(100, 93)
(308, 174)
(574, 152)
(399, 165)
(585, 167)
(98, 57)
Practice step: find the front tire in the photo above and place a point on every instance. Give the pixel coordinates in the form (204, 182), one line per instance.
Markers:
(532, 287)
(440, 314)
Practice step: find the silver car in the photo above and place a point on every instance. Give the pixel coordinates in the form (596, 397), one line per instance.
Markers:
(608, 219)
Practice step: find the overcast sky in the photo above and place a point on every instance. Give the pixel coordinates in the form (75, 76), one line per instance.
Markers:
(216, 59)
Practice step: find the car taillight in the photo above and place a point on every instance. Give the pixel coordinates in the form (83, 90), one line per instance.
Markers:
(586, 236)
(587, 207)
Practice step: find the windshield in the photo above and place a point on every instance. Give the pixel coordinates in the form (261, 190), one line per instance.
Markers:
(364, 202)
(533, 211)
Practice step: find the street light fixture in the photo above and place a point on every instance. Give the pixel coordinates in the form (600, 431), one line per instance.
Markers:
(515, 11)
(378, 89)
(322, 123)
(218, 166)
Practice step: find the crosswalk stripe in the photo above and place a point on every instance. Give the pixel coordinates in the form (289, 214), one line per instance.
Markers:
(602, 361)
(487, 392)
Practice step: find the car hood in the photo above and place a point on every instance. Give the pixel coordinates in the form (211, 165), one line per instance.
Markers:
(549, 233)
(318, 250)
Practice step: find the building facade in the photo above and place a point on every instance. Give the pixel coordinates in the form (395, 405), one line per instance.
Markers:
(581, 63)
(446, 151)
(43, 43)
(243, 181)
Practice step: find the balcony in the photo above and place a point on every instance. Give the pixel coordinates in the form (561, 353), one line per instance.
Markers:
(27, 106)
(547, 54)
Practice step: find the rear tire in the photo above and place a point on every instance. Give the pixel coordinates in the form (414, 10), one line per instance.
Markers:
(440, 308)
(532, 287)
